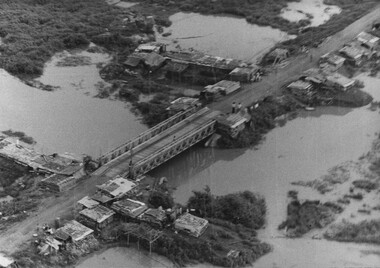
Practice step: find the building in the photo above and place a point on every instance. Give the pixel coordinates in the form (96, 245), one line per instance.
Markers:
(97, 217)
(102, 198)
(355, 53)
(86, 202)
(72, 231)
(232, 124)
(314, 75)
(128, 208)
(244, 74)
(277, 55)
(175, 70)
(151, 47)
(182, 104)
(58, 183)
(368, 40)
(150, 61)
(222, 88)
(7, 262)
(191, 224)
(117, 187)
(155, 217)
(334, 60)
(339, 81)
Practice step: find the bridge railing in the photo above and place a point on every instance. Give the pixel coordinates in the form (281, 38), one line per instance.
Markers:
(146, 135)
(172, 144)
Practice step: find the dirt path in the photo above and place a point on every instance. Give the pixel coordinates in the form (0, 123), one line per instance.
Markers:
(63, 205)
(271, 83)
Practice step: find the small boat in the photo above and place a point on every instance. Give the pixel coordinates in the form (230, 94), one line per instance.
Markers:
(307, 108)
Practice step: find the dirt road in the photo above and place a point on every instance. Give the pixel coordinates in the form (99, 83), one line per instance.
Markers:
(63, 205)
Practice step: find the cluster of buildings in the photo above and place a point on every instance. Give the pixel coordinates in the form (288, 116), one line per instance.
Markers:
(115, 201)
(354, 54)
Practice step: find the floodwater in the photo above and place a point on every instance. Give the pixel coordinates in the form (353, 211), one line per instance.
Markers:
(318, 12)
(228, 37)
(70, 119)
(304, 149)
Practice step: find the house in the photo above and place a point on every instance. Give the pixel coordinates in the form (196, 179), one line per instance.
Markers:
(301, 89)
(355, 53)
(151, 47)
(129, 208)
(102, 198)
(334, 60)
(277, 55)
(155, 217)
(191, 224)
(182, 104)
(314, 75)
(117, 187)
(232, 124)
(86, 202)
(133, 61)
(58, 183)
(72, 231)
(222, 88)
(368, 40)
(339, 81)
(7, 262)
(175, 70)
(150, 61)
(244, 74)
(97, 217)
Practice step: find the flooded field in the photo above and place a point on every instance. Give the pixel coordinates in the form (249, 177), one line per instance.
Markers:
(221, 36)
(314, 10)
(69, 119)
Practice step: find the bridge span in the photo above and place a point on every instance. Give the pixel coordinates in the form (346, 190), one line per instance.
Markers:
(158, 144)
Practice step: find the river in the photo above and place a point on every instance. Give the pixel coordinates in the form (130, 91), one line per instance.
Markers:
(70, 119)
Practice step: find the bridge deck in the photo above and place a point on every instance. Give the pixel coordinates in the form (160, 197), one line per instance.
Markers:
(148, 148)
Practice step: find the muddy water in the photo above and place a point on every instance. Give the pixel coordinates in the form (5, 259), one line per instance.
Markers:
(221, 36)
(303, 149)
(318, 12)
(69, 119)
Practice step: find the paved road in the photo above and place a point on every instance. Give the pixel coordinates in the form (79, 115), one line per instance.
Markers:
(63, 205)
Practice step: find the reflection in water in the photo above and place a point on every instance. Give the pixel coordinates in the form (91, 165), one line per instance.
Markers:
(222, 36)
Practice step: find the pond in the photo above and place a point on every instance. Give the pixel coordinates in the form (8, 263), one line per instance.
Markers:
(228, 37)
(314, 10)
(69, 119)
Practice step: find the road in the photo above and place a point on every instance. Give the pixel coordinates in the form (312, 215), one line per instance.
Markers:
(63, 205)
(271, 83)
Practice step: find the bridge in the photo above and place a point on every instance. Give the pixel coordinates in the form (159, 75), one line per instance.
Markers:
(158, 144)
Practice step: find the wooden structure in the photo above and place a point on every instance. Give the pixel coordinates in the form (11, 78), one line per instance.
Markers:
(142, 231)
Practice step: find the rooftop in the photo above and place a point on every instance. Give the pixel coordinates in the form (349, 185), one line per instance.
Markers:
(57, 179)
(129, 204)
(367, 38)
(191, 221)
(5, 261)
(88, 202)
(232, 120)
(75, 230)
(155, 213)
(117, 187)
(333, 58)
(300, 85)
(352, 50)
(244, 70)
(203, 59)
(340, 80)
(98, 213)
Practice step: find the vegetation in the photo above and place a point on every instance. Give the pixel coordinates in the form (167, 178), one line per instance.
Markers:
(301, 218)
(33, 30)
(263, 120)
(160, 199)
(245, 208)
(363, 232)
(365, 184)
(19, 134)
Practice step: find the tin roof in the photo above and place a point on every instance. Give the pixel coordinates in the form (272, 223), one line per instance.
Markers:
(88, 202)
(98, 213)
(232, 120)
(117, 186)
(300, 85)
(75, 230)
